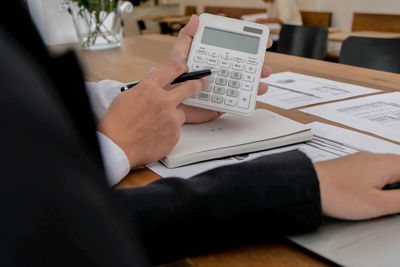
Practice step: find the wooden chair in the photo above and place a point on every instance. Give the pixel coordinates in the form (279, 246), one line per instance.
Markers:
(318, 19)
(232, 12)
(373, 53)
(376, 22)
(190, 10)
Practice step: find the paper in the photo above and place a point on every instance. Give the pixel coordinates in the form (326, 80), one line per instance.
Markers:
(329, 142)
(377, 114)
(291, 90)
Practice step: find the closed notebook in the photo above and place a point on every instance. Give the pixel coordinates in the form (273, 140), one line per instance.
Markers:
(232, 135)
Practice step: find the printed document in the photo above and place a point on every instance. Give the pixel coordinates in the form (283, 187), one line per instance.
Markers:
(291, 90)
(377, 114)
(329, 142)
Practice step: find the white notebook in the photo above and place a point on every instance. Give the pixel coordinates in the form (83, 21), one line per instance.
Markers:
(232, 135)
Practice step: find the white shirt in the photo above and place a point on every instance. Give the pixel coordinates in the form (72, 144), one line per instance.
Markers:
(285, 10)
(116, 163)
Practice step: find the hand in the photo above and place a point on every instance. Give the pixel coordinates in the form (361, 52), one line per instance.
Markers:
(145, 121)
(180, 52)
(351, 186)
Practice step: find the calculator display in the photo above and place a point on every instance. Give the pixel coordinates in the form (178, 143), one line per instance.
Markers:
(230, 40)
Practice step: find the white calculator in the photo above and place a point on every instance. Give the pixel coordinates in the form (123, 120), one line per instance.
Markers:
(236, 49)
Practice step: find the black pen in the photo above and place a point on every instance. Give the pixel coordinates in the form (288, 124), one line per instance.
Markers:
(182, 78)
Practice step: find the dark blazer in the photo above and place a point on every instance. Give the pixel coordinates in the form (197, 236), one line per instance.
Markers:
(57, 210)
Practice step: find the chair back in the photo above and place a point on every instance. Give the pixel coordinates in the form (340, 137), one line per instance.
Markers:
(373, 53)
(190, 10)
(303, 41)
(141, 25)
(164, 28)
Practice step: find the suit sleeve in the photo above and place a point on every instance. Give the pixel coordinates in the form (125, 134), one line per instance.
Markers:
(254, 201)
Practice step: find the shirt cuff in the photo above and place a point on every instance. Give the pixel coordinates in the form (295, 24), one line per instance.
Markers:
(116, 163)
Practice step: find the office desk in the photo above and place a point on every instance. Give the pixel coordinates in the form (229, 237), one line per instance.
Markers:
(138, 54)
(341, 36)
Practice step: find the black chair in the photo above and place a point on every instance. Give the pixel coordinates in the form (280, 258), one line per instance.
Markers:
(374, 53)
(141, 25)
(164, 28)
(303, 41)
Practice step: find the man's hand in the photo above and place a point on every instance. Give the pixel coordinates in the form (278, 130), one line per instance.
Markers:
(145, 121)
(180, 52)
(351, 186)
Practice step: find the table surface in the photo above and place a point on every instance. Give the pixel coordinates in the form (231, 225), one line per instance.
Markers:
(341, 36)
(138, 54)
(167, 18)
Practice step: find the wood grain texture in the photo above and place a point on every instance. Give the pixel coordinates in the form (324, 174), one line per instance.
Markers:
(138, 54)
(233, 12)
(318, 19)
(376, 22)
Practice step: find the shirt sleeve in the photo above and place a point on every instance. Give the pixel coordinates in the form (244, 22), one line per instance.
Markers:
(116, 163)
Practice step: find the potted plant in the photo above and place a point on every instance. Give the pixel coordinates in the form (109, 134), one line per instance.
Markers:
(97, 22)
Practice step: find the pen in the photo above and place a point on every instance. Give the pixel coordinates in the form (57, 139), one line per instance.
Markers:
(182, 78)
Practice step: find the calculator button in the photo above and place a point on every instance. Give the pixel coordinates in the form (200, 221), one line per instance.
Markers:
(200, 59)
(236, 75)
(237, 66)
(221, 81)
(247, 86)
(238, 59)
(252, 61)
(223, 73)
(244, 100)
(208, 88)
(201, 52)
(217, 99)
(250, 69)
(197, 66)
(204, 96)
(248, 78)
(232, 93)
(227, 56)
(219, 90)
(230, 101)
(225, 64)
(214, 54)
(234, 84)
(212, 61)
(212, 79)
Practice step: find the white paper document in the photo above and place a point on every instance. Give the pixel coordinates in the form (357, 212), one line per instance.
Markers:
(329, 142)
(291, 90)
(377, 114)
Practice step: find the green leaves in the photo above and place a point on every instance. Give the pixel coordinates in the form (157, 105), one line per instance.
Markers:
(98, 5)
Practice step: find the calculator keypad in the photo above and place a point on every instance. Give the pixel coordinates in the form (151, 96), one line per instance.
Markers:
(232, 86)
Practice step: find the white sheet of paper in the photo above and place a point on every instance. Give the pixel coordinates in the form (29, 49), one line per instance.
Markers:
(377, 114)
(291, 90)
(329, 142)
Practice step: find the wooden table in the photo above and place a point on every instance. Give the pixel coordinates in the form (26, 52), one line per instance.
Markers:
(132, 62)
(341, 36)
(168, 18)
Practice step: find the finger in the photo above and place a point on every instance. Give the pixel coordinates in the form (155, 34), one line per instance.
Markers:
(180, 51)
(168, 74)
(266, 71)
(198, 115)
(181, 117)
(390, 202)
(270, 42)
(188, 89)
(262, 88)
(152, 71)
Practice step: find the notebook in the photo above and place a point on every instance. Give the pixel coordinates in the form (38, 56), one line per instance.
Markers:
(232, 135)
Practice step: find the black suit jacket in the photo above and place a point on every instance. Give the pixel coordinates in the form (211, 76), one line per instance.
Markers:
(56, 208)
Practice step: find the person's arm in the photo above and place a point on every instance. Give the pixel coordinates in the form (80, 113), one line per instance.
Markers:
(250, 202)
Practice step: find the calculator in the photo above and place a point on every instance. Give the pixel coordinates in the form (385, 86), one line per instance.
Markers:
(235, 49)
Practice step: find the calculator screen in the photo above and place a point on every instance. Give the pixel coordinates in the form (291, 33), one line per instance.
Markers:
(230, 40)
